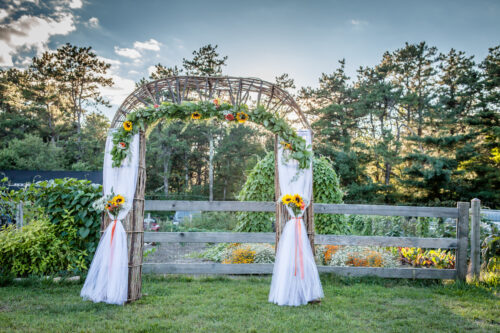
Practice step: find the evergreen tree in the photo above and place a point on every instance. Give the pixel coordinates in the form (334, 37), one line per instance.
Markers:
(378, 98)
(16, 120)
(433, 171)
(481, 166)
(337, 121)
(206, 62)
(81, 74)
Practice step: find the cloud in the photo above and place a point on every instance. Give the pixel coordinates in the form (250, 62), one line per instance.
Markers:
(93, 22)
(358, 24)
(75, 4)
(122, 87)
(3, 14)
(112, 62)
(31, 33)
(128, 53)
(152, 45)
(151, 69)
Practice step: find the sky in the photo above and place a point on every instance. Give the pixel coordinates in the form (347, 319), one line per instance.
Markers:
(261, 38)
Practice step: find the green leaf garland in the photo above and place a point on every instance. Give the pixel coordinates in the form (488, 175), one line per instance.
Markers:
(141, 118)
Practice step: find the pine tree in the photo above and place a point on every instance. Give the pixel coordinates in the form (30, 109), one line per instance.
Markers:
(434, 171)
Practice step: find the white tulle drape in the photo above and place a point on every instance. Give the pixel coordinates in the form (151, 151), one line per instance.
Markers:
(295, 275)
(107, 279)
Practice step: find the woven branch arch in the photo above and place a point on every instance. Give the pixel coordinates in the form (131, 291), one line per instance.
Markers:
(177, 89)
(237, 90)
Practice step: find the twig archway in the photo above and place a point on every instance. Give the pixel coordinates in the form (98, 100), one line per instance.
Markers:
(177, 89)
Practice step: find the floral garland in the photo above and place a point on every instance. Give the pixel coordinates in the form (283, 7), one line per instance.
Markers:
(224, 111)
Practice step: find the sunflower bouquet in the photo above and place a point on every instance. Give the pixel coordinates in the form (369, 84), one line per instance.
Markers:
(295, 202)
(111, 203)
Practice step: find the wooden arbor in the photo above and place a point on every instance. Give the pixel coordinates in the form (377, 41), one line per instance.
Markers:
(250, 91)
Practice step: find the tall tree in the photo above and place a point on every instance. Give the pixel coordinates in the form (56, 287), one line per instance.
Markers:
(378, 98)
(206, 61)
(433, 171)
(49, 97)
(337, 121)
(482, 165)
(414, 72)
(81, 74)
(16, 120)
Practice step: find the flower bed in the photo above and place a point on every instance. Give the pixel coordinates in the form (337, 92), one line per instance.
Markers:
(356, 256)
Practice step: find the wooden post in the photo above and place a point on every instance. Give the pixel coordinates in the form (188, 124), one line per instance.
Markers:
(462, 240)
(475, 242)
(310, 211)
(277, 194)
(135, 227)
(19, 216)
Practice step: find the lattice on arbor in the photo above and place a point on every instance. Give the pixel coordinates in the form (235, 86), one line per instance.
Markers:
(237, 90)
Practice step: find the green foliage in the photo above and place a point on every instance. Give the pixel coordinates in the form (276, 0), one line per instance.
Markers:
(68, 205)
(40, 248)
(490, 252)
(212, 221)
(31, 153)
(260, 187)
(141, 118)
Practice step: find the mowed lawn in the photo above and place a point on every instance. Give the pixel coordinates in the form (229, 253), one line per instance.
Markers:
(225, 304)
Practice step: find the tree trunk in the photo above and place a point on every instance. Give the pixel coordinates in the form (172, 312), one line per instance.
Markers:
(211, 167)
(186, 173)
(388, 168)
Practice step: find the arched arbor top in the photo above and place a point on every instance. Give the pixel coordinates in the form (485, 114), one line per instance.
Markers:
(237, 90)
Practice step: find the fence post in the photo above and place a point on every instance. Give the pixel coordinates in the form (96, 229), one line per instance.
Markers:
(475, 241)
(19, 216)
(462, 240)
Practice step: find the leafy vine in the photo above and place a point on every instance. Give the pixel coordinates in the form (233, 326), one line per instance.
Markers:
(195, 111)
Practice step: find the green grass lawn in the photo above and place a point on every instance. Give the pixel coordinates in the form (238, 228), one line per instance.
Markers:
(185, 304)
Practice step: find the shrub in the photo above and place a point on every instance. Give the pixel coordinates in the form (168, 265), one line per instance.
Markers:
(260, 187)
(72, 197)
(40, 249)
(67, 204)
(491, 254)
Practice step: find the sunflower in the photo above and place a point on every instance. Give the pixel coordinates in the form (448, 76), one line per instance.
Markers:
(242, 117)
(127, 126)
(297, 199)
(119, 199)
(287, 198)
(196, 115)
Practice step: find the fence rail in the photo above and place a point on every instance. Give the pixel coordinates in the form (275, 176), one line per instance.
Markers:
(267, 206)
(269, 237)
(460, 244)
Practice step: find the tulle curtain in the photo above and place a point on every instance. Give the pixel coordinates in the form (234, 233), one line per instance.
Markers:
(295, 275)
(107, 279)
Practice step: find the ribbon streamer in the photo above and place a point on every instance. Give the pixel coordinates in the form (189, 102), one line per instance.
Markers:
(298, 246)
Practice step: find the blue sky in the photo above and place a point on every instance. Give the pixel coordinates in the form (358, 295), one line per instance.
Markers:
(261, 38)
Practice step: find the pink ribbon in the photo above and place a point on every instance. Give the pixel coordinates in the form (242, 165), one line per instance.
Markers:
(298, 247)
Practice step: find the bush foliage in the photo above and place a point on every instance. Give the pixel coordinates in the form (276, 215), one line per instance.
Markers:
(260, 187)
(39, 248)
(66, 204)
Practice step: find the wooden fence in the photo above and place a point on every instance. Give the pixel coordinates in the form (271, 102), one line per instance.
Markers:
(460, 243)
